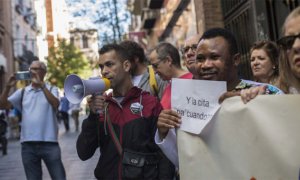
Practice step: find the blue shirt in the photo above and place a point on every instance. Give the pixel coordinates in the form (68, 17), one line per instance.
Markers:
(39, 121)
(64, 104)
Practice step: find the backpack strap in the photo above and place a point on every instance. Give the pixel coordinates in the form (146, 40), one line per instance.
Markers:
(22, 96)
(152, 80)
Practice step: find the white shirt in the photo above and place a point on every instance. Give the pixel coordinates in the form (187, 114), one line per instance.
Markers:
(39, 121)
(136, 79)
(169, 146)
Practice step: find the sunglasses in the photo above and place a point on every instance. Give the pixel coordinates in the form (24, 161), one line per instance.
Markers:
(187, 48)
(287, 41)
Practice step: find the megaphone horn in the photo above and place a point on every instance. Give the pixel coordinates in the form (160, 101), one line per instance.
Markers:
(76, 88)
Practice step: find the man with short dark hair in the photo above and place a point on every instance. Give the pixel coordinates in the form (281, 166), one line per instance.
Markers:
(125, 129)
(143, 75)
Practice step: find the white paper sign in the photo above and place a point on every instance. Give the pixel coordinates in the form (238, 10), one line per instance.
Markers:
(196, 101)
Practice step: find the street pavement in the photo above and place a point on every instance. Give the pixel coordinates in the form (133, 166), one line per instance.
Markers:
(11, 167)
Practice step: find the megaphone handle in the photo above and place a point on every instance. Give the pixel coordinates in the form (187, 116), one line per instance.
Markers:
(100, 111)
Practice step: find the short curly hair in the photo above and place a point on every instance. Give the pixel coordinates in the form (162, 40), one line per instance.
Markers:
(134, 50)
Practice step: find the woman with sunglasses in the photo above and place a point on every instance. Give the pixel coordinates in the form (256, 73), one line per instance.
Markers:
(264, 61)
(289, 65)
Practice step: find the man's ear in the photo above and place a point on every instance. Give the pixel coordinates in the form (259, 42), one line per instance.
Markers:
(237, 59)
(136, 60)
(169, 60)
(127, 65)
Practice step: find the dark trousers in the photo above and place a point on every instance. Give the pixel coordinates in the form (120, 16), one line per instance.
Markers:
(3, 141)
(65, 118)
(33, 153)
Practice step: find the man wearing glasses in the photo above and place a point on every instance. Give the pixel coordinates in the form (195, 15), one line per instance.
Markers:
(189, 53)
(38, 103)
(165, 60)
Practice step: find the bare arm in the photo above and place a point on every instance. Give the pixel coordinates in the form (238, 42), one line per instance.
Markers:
(249, 94)
(50, 97)
(39, 83)
(4, 103)
(246, 94)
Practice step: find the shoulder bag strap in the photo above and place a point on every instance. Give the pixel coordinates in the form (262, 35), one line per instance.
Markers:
(112, 131)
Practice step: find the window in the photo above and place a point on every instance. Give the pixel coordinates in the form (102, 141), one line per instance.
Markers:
(85, 43)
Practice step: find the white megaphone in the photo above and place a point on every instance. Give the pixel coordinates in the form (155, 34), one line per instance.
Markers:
(76, 88)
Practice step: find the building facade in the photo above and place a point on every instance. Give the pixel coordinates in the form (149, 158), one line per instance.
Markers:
(57, 19)
(6, 46)
(24, 33)
(87, 42)
(18, 32)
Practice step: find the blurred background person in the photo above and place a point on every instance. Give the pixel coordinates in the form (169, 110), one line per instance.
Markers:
(3, 130)
(143, 76)
(74, 110)
(264, 62)
(63, 108)
(189, 53)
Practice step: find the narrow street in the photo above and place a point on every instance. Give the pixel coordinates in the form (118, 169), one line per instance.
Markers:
(11, 167)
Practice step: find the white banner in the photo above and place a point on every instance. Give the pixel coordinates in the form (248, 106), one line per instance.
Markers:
(196, 101)
(258, 140)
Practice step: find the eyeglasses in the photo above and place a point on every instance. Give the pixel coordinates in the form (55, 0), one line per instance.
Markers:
(187, 48)
(155, 65)
(35, 69)
(287, 41)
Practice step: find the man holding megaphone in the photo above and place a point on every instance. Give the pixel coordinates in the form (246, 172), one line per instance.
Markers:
(125, 127)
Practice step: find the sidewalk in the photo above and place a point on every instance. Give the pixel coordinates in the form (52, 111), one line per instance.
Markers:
(11, 167)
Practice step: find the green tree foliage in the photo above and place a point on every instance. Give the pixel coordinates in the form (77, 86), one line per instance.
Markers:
(66, 59)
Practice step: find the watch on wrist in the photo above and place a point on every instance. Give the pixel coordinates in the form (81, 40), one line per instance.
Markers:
(43, 86)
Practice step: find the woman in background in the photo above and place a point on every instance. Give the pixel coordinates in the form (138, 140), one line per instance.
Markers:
(264, 62)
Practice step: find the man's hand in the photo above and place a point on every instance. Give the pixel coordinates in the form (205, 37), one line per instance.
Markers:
(11, 82)
(36, 80)
(96, 103)
(249, 94)
(246, 94)
(228, 95)
(167, 119)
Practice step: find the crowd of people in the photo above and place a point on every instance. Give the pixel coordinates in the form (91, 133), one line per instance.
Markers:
(134, 125)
